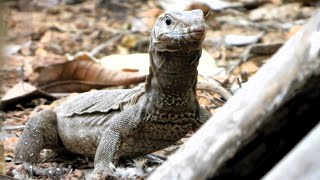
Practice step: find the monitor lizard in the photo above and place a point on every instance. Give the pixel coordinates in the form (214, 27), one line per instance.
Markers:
(109, 124)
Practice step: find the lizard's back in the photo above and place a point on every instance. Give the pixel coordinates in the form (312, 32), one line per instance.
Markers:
(82, 119)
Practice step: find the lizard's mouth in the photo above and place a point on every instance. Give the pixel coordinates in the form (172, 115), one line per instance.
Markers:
(177, 74)
(196, 33)
(183, 35)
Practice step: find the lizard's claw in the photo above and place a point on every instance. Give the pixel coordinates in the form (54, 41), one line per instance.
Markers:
(104, 173)
(108, 176)
(49, 172)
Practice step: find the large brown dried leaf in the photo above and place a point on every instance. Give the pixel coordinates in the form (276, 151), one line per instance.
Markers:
(82, 75)
(23, 92)
(140, 62)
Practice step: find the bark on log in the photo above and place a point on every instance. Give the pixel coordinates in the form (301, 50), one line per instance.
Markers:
(261, 122)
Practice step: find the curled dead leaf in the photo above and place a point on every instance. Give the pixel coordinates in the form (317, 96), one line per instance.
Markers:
(23, 92)
(82, 75)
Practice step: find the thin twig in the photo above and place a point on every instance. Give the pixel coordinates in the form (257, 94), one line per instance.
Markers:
(13, 128)
(212, 85)
(109, 42)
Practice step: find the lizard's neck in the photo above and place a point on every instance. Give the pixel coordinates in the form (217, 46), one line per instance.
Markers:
(172, 80)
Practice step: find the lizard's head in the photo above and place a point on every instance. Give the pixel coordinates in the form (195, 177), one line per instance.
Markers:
(179, 31)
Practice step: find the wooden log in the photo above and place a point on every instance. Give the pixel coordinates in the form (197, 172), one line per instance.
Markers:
(250, 132)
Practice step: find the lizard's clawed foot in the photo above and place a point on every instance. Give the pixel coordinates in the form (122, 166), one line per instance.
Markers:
(104, 175)
(100, 173)
(136, 171)
(108, 176)
(52, 173)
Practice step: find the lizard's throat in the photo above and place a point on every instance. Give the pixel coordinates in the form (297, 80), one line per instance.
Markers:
(172, 72)
(172, 79)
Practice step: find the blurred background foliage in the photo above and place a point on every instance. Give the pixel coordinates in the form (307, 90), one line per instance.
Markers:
(3, 28)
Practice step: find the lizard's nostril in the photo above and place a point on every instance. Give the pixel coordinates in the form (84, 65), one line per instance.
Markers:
(197, 35)
(200, 28)
(197, 32)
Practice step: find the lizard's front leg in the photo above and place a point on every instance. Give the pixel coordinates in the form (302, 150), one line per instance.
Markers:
(124, 124)
(107, 151)
(40, 133)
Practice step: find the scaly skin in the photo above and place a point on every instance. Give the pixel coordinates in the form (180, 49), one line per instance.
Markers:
(110, 124)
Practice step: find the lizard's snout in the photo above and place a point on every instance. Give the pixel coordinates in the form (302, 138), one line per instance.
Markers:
(197, 33)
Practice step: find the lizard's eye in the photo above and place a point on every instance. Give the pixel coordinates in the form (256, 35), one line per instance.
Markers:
(167, 20)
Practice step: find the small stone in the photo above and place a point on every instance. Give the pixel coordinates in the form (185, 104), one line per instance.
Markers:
(78, 173)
